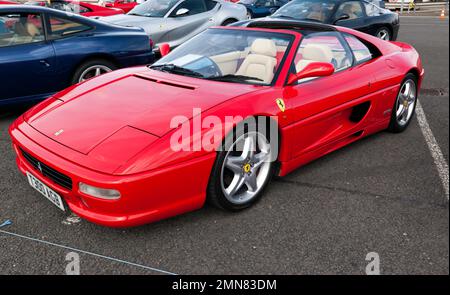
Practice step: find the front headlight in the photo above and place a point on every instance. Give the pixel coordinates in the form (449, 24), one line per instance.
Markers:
(108, 194)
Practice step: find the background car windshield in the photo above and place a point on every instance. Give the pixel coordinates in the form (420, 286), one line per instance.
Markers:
(154, 8)
(247, 1)
(220, 52)
(315, 10)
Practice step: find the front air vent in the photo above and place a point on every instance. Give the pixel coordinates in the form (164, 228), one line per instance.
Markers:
(48, 172)
(165, 82)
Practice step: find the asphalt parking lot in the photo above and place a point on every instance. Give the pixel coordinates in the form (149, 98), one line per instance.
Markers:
(383, 194)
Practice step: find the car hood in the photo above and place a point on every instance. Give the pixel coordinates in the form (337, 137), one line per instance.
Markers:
(133, 21)
(94, 113)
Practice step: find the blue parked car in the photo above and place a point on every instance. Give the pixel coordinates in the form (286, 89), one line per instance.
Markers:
(43, 51)
(262, 8)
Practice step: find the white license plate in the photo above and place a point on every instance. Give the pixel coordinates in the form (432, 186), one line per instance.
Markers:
(45, 191)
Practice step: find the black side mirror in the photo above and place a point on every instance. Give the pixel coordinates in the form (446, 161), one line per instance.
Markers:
(341, 17)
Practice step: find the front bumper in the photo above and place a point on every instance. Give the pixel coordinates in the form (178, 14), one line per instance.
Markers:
(145, 197)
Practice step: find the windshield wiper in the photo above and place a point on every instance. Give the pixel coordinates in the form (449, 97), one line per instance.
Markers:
(174, 69)
(234, 78)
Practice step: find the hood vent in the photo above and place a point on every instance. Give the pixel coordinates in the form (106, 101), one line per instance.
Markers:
(173, 84)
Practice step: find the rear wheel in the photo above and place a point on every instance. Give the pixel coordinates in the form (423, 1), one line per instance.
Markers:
(228, 22)
(405, 105)
(242, 171)
(92, 68)
(384, 34)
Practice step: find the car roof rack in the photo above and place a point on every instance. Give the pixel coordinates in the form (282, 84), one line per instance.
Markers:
(282, 24)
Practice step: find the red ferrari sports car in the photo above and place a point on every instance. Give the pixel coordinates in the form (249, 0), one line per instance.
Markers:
(213, 120)
(83, 8)
(125, 5)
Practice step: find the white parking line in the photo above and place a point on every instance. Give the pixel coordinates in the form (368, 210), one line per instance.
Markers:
(87, 252)
(435, 150)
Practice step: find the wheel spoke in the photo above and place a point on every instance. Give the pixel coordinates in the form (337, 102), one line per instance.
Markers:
(234, 164)
(98, 71)
(251, 182)
(405, 114)
(406, 92)
(260, 159)
(401, 111)
(249, 148)
(235, 185)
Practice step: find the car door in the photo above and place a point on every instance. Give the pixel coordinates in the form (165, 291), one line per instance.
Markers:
(356, 15)
(27, 59)
(321, 109)
(198, 18)
(66, 34)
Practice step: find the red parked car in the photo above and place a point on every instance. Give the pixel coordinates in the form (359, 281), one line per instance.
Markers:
(83, 8)
(214, 120)
(8, 2)
(125, 5)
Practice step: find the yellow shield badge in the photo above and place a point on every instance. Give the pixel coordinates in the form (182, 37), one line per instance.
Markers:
(281, 104)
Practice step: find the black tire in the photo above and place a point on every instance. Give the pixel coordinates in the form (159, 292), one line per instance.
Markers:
(90, 63)
(384, 29)
(215, 194)
(249, 13)
(394, 125)
(229, 22)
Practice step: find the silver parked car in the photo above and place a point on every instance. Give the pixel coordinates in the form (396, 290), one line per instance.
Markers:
(175, 21)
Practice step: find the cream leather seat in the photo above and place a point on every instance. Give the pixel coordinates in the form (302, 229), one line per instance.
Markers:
(314, 53)
(261, 61)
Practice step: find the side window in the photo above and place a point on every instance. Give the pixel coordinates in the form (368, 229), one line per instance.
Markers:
(20, 28)
(351, 8)
(210, 4)
(323, 47)
(194, 7)
(371, 10)
(61, 27)
(361, 52)
(265, 3)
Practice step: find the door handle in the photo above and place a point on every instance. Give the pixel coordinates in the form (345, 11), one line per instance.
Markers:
(44, 63)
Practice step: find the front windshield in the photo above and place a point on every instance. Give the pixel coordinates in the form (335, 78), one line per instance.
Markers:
(313, 10)
(229, 55)
(153, 8)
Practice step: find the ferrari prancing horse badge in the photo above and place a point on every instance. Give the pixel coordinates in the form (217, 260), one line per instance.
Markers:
(280, 104)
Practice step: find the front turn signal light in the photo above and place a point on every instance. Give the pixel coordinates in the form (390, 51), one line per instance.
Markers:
(107, 194)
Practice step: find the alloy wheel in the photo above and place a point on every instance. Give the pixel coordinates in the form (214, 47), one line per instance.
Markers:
(384, 34)
(94, 71)
(246, 170)
(406, 102)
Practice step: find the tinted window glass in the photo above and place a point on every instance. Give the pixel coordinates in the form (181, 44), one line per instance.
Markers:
(194, 7)
(265, 3)
(17, 29)
(352, 8)
(63, 27)
(153, 8)
(371, 10)
(210, 4)
(316, 10)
